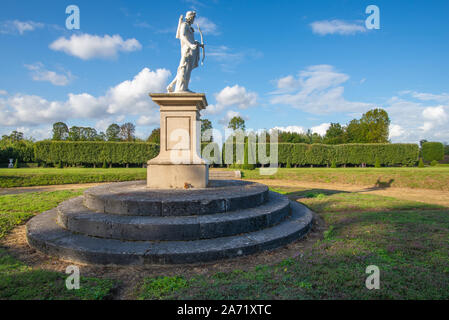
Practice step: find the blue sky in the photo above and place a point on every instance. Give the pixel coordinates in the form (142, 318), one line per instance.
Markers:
(288, 64)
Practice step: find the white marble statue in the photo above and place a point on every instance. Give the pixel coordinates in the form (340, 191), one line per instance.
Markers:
(190, 53)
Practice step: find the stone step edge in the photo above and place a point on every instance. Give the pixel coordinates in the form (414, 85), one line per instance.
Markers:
(45, 235)
(111, 205)
(73, 216)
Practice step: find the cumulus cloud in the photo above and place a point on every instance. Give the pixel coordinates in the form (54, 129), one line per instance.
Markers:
(232, 96)
(207, 26)
(3, 92)
(87, 46)
(40, 73)
(127, 98)
(19, 27)
(415, 118)
(325, 27)
(229, 115)
(293, 129)
(321, 129)
(396, 131)
(317, 89)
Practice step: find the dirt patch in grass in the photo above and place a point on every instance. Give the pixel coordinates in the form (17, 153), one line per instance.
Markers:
(128, 278)
(20, 190)
(421, 195)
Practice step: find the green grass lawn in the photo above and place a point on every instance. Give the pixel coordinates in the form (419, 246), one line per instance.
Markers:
(436, 178)
(19, 281)
(408, 241)
(51, 176)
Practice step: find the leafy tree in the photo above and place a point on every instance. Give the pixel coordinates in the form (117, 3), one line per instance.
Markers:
(74, 134)
(60, 131)
(100, 137)
(155, 136)
(206, 125)
(375, 126)
(354, 132)
(335, 134)
(88, 134)
(14, 137)
(127, 131)
(237, 123)
(113, 132)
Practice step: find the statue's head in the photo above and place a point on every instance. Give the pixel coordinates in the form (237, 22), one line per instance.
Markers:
(190, 16)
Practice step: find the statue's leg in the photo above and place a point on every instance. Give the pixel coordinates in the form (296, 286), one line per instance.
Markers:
(181, 84)
(171, 86)
(188, 72)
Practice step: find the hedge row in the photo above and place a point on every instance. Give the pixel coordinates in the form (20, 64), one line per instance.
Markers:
(432, 151)
(92, 152)
(23, 151)
(301, 154)
(295, 154)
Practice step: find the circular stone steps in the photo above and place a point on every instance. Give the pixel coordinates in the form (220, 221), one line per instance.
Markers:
(73, 216)
(126, 223)
(133, 198)
(47, 236)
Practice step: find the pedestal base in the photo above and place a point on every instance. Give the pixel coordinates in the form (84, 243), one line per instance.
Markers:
(177, 176)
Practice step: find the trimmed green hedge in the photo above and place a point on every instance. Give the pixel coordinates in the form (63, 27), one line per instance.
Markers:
(301, 154)
(92, 152)
(22, 150)
(294, 154)
(432, 151)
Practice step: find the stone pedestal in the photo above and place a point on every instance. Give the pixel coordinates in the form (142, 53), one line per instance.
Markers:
(179, 164)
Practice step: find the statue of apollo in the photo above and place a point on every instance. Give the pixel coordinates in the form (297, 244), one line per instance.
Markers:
(190, 53)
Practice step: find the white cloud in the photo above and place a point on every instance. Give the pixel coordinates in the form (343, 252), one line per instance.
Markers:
(3, 92)
(396, 131)
(293, 129)
(437, 114)
(86, 46)
(321, 129)
(148, 120)
(19, 27)
(415, 120)
(232, 96)
(229, 115)
(318, 90)
(230, 58)
(127, 98)
(37, 134)
(325, 27)
(207, 26)
(441, 98)
(434, 117)
(39, 73)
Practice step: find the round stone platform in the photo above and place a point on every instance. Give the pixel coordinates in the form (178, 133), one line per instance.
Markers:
(135, 199)
(230, 219)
